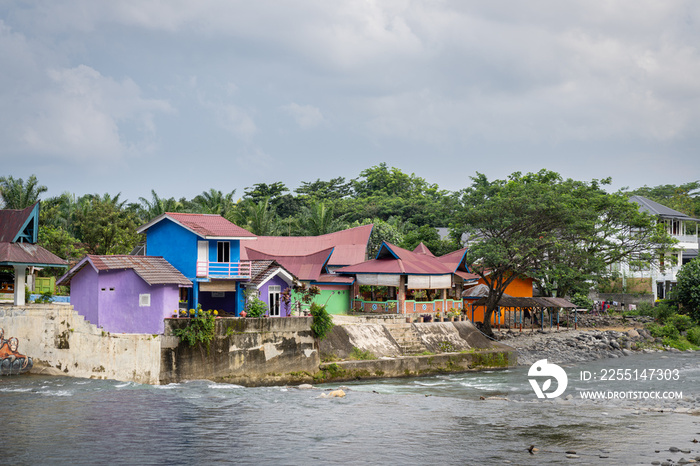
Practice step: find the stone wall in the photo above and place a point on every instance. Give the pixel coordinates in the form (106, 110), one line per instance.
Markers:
(62, 342)
(244, 351)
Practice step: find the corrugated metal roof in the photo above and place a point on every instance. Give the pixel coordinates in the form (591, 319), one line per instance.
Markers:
(423, 249)
(12, 221)
(395, 260)
(30, 254)
(154, 270)
(307, 267)
(349, 246)
(204, 225)
(654, 208)
(510, 301)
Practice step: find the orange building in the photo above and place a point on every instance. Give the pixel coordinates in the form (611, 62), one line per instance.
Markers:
(521, 287)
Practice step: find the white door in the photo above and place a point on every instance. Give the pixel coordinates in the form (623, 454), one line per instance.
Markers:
(202, 258)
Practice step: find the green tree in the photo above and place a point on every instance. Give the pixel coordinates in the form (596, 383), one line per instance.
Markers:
(215, 202)
(382, 231)
(318, 219)
(104, 227)
(319, 190)
(258, 218)
(511, 223)
(16, 194)
(157, 206)
(430, 237)
(598, 237)
(687, 289)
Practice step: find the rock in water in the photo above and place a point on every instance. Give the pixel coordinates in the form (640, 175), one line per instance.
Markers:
(333, 394)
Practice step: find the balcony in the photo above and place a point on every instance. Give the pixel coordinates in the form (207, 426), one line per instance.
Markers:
(230, 270)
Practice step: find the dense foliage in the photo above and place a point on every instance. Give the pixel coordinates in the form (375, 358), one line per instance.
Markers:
(563, 233)
(687, 289)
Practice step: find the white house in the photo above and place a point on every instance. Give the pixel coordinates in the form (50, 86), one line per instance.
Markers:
(663, 270)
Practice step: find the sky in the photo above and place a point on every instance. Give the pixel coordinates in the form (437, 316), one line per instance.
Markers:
(183, 96)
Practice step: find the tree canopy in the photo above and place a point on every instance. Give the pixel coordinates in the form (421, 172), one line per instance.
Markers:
(559, 231)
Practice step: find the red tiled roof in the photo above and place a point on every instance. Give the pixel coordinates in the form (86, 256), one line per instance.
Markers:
(262, 270)
(307, 267)
(27, 253)
(205, 225)
(11, 221)
(349, 246)
(154, 270)
(395, 260)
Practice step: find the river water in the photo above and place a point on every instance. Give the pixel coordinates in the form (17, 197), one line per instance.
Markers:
(432, 420)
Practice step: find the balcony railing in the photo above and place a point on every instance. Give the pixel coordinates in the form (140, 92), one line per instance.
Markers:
(224, 269)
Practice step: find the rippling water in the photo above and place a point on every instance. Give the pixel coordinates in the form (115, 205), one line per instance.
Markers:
(56, 420)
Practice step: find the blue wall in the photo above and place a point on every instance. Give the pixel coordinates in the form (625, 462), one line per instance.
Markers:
(176, 244)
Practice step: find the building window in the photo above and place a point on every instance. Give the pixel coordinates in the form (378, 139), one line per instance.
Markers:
(145, 300)
(223, 251)
(274, 299)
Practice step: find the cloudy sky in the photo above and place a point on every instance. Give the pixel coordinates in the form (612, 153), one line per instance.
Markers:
(183, 96)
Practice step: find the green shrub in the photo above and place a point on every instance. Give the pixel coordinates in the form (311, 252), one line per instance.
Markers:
(665, 331)
(645, 309)
(199, 329)
(255, 307)
(664, 310)
(359, 355)
(681, 322)
(322, 321)
(693, 335)
(582, 301)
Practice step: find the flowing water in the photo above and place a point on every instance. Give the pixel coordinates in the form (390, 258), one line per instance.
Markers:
(432, 420)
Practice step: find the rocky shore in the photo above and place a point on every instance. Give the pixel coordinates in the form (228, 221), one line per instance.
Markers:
(602, 337)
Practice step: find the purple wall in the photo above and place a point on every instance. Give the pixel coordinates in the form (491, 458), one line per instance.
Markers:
(83, 294)
(112, 300)
(264, 296)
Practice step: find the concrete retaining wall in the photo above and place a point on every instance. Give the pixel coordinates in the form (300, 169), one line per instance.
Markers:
(499, 357)
(60, 341)
(244, 351)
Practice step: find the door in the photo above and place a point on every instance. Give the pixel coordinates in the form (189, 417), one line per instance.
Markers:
(274, 299)
(202, 258)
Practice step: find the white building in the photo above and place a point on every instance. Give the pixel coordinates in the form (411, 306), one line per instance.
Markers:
(662, 270)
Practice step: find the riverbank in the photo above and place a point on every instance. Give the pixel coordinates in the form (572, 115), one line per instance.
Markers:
(603, 337)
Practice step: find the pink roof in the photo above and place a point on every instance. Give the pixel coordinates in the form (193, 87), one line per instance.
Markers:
(154, 270)
(204, 225)
(307, 267)
(395, 260)
(349, 246)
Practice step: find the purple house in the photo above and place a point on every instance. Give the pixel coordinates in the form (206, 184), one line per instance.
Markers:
(270, 279)
(125, 294)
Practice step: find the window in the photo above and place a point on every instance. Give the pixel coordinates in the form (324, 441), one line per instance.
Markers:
(145, 300)
(274, 301)
(223, 251)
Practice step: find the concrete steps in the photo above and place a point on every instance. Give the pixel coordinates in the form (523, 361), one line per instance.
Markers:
(406, 337)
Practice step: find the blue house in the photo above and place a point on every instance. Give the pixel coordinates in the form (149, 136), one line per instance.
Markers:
(206, 249)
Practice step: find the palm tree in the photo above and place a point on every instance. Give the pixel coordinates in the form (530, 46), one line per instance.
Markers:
(257, 218)
(157, 206)
(215, 202)
(319, 220)
(16, 194)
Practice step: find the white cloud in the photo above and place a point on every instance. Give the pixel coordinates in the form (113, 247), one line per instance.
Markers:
(306, 116)
(80, 115)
